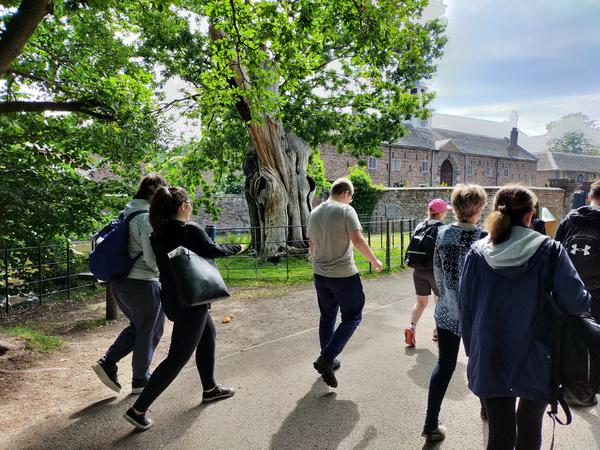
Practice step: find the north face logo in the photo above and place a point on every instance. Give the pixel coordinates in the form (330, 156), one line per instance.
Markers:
(585, 250)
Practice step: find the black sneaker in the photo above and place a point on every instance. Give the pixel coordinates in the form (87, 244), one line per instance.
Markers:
(107, 372)
(325, 368)
(336, 364)
(218, 393)
(140, 421)
(137, 386)
(434, 434)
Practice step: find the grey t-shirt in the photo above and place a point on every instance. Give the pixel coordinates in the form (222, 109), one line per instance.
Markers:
(329, 225)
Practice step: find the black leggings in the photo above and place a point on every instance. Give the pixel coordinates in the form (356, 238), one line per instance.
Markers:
(509, 429)
(193, 329)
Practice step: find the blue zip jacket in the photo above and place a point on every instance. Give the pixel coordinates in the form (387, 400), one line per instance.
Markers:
(499, 308)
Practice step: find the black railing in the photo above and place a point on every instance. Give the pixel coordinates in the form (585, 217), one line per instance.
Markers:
(31, 275)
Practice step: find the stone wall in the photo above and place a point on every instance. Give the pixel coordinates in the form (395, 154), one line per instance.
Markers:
(234, 212)
(409, 202)
(412, 202)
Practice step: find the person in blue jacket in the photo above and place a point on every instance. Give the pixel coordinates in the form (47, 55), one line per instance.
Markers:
(500, 300)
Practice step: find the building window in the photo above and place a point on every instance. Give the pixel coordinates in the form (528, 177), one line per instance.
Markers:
(488, 172)
(580, 178)
(425, 166)
(470, 171)
(396, 164)
(372, 162)
(398, 184)
(506, 173)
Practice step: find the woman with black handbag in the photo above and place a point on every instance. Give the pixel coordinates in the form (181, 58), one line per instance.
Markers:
(502, 299)
(193, 328)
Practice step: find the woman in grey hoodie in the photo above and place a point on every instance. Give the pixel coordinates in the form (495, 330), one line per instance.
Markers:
(501, 299)
(138, 296)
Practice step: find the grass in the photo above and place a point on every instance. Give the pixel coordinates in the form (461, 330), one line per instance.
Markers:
(35, 341)
(249, 271)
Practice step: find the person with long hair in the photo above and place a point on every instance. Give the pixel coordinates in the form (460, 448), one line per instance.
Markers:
(138, 297)
(501, 303)
(452, 244)
(193, 328)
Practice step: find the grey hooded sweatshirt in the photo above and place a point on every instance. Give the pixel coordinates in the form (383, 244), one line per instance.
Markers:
(139, 242)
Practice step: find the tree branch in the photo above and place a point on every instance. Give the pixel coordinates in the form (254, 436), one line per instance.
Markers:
(20, 28)
(80, 107)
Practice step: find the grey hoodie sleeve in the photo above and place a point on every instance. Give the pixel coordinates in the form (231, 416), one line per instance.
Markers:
(568, 290)
(148, 253)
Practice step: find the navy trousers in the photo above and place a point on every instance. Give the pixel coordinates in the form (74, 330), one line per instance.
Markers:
(338, 294)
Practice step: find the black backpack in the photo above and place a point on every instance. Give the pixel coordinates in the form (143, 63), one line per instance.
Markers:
(583, 247)
(419, 254)
(576, 346)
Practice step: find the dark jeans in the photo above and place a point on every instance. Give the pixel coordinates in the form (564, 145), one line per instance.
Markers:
(193, 329)
(140, 302)
(509, 429)
(449, 344)
(338, 294)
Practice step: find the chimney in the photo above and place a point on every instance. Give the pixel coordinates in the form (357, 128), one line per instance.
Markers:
(513, 147)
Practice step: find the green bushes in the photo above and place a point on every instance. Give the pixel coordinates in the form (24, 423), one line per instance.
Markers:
(366, 193)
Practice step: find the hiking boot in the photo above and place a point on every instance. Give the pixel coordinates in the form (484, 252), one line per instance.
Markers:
(107, 372)
(410, 337)
(140, 421)
(137, 386)
(325, 368)
(218, 393)
(336, 364)
(434, 434)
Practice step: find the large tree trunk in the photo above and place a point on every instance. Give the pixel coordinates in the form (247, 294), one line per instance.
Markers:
(278, 189)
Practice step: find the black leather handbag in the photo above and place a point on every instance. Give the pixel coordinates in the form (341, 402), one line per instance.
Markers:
(197, 279)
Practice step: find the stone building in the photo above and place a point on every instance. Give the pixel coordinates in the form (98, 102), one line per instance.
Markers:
(435, 157)
(578, 169)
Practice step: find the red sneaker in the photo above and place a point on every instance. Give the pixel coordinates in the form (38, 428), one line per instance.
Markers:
(410, 337)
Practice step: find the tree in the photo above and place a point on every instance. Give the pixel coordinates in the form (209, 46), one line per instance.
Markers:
(74, 102)
(574, 142)
(296, 74)
(267, 81)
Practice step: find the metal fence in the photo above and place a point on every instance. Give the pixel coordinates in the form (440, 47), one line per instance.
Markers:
(31, 275)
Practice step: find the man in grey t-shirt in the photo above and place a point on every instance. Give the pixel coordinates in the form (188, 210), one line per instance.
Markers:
(333, 228)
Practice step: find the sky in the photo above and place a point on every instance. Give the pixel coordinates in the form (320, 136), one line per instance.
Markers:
(538, 57)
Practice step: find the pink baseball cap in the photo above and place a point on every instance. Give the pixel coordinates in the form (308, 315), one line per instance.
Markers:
(437, 205)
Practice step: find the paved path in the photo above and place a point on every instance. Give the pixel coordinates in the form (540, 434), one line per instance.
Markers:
(281, 403)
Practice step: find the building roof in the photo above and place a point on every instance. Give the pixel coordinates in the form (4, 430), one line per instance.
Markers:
(569, 162)
(468, 143)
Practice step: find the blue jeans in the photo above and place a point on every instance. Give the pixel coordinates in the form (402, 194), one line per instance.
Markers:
(338, 294)
(140, 302)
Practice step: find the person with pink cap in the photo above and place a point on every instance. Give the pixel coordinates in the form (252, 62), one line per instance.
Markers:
(419, 256)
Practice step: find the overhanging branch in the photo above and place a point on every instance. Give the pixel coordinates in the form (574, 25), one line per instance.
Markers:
(80, 107)
(20, 28)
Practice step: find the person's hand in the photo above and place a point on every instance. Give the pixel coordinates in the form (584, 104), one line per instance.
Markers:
(243, 248)
(378, 266)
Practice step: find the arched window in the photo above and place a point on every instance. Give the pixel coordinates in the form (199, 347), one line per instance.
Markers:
(580, 178)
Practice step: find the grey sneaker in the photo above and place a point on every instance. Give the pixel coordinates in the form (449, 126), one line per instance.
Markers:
(434, 434)
(137, 386)
(107, 372)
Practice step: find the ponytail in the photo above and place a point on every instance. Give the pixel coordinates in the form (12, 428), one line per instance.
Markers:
(511, 204)
(164, 206)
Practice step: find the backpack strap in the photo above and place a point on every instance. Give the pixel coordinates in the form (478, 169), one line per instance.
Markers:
(128, 219)
(553, 413)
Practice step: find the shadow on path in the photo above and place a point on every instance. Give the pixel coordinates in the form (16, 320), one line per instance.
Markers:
(318, 421)
(420, 373)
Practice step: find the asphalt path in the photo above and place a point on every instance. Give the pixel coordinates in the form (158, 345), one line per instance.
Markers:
(281, 402)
